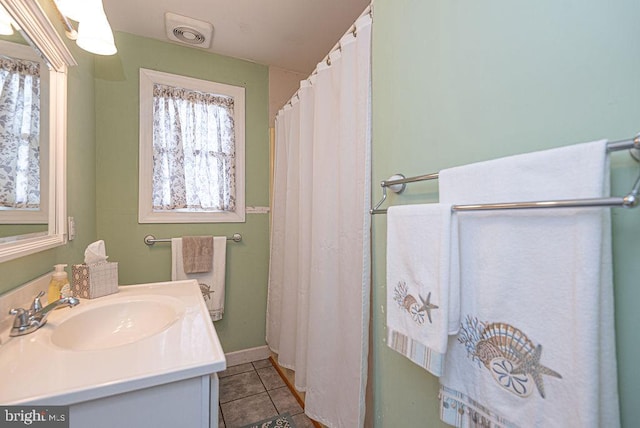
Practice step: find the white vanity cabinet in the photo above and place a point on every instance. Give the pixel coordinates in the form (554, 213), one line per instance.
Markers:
(187, 403)
(147, 356)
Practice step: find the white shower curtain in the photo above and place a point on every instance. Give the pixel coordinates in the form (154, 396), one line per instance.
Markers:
(319, 280)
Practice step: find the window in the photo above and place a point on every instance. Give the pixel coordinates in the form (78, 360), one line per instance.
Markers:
(23, 180)
(191, 150)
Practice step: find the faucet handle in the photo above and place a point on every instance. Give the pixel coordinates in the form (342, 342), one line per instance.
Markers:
(36, 305)
(21, 317)
(17, 311)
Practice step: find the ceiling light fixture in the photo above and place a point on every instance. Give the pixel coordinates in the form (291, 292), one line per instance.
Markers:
(94, 33)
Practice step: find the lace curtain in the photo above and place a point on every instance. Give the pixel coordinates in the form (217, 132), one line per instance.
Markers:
(193, 150)
(19, 133)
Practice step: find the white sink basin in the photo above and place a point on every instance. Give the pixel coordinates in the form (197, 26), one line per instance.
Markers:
(144, 336)
(117, 323)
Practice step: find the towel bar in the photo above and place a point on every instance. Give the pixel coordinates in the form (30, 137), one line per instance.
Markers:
(150, 239)
(397, 184)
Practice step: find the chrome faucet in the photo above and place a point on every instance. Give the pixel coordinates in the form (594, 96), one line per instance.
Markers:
(29, 320)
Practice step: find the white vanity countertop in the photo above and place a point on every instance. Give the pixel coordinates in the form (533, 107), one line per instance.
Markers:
(33, 370)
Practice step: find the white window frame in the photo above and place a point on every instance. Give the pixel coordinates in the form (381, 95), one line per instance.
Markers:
(146, 214)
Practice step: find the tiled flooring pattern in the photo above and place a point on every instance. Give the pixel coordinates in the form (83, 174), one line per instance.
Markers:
(255, 391)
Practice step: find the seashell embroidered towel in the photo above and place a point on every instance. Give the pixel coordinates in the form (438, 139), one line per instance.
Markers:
(535, 346)
(212, 283)
(418, 248)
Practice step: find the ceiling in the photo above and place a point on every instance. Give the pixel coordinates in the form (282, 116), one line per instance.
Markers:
(289, 34)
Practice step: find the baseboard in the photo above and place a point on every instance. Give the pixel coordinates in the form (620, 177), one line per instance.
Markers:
(294, 391)
(247, 355)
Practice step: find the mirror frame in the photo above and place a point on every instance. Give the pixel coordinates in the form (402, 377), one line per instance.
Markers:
(38, 28)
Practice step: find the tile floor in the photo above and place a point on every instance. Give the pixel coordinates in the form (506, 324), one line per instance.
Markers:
(255, 391)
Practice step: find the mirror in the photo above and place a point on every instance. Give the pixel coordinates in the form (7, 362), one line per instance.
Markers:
(37, 222)
(24, 137)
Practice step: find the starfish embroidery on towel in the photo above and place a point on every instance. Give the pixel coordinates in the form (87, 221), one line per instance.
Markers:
(427, 306)
(408, 302)
(206, 291)
(531, 365)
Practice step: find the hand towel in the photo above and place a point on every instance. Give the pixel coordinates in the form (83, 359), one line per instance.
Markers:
(417, 282)
(536, 341)
(212, 283)
(197, 253)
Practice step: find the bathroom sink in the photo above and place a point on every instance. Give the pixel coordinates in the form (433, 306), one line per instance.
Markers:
(116, 324)
(143, 336)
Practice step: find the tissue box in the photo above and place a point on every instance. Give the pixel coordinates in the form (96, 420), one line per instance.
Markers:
(94, 280)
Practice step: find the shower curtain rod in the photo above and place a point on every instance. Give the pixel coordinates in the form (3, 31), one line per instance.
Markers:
(352, 30)
(398, 185)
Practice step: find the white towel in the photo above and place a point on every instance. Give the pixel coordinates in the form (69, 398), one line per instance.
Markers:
(536, 342)
(417, 282)
(212, 283)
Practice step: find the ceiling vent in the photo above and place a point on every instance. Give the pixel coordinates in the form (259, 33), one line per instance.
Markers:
(189, 31)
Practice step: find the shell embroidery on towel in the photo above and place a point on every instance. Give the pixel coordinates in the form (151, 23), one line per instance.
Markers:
(510, 356)
(409, 303)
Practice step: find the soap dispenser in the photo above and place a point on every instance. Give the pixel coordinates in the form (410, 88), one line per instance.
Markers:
(59, 280)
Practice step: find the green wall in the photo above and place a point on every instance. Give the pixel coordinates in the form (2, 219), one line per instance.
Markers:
(117, 110)
(462, 81)
(102, 178)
